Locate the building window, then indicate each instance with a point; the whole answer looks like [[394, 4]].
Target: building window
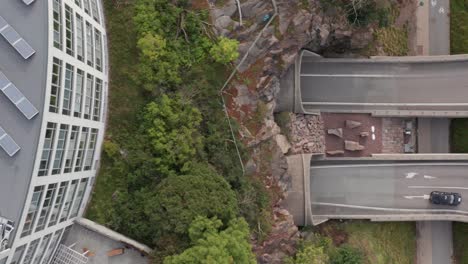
[[57, 14], [53, 244], [31, 250], [59, 152], [89, 45], [55, 85], [68, 89], [42, 248], [79, 38], [68, 200], [18, 254], [47, 149], [46, 205], [87, 7], [89, 96], [69, 38], [58, 203], [97, 100], [79, 93], [81, 149], [79, 198], [98, 49], [71, 149], [94, 8], [32, 211], [91, 149], [78, 3]]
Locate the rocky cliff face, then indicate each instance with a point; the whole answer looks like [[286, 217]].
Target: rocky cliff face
[[252, 93]]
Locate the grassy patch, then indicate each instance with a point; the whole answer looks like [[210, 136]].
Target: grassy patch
[[460, 242], [381, 243], [458, 26], [459, 144], [459, 135], [125, 100], [393, 40]]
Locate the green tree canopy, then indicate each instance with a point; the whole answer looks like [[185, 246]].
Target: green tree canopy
[[158, 64], [311, 254], [171, 39], [172, 127], [210, 245], [177, 200], [225, 50]]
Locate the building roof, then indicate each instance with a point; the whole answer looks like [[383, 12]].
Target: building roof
[[29, 76], [112, 234]]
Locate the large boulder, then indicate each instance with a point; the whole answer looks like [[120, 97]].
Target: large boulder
[[335, 131], [353, 146]]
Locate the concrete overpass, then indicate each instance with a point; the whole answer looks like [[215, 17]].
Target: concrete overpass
[[376, 188], [422, 86]]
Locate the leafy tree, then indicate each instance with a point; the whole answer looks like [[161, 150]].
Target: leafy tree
[[171, 40], [158, 64], [311, 255], [347, 255], [225, 50], [177, 200], [210, 245], [172, 127]]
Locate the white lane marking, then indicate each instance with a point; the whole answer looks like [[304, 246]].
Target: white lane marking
[[433, 3], [425, 197], [391, 209], [441, 10], [387, 165], [437, 187], [375, 76], [384, 104], [350, 75], [410, 175], [429, 177]]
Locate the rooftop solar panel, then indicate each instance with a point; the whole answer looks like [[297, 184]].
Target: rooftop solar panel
[[3, 81], [28, 109], [24, 49], [28, 2], [8, 144], [10, 34], [3, 23], [17, 97]]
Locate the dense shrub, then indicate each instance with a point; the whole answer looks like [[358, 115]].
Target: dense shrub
[[172, 128], [347, 255], [177, 200], [210, 245]]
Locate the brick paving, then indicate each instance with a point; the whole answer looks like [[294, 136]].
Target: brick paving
[[332, 120], [393, 135]]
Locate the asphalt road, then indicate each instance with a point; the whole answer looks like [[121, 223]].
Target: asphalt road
[[439, 27], [389, 188], [350, 84]]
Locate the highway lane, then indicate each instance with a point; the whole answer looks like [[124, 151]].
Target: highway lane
[[334, 84], [439, 27], [389, 188]]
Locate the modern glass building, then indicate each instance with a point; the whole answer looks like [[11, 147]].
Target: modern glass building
[[53, 83]]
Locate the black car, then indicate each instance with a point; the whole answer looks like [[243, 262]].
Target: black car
[[445, 198]]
